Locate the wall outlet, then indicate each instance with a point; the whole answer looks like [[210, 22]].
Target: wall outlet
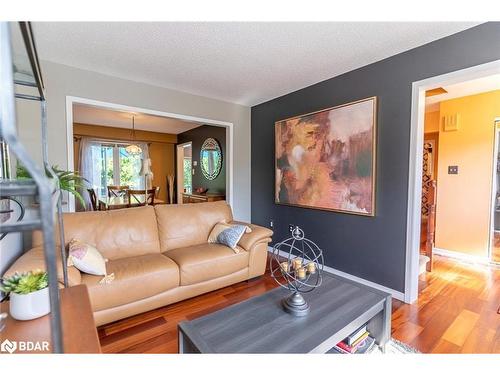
[[453, 169], [291, 227], [271, 224]]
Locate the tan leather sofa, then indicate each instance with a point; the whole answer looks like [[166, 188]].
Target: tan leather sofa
[[159, 255]]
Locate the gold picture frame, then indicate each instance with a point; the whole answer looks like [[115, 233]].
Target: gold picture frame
[[326, 159]]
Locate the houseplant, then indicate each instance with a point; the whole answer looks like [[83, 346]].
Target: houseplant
[[69, 181], [29, 294]]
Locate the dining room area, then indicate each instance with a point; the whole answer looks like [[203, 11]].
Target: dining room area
[[125, 159], [124, 197]]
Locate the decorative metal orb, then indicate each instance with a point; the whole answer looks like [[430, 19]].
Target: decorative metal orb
[[296, 264]]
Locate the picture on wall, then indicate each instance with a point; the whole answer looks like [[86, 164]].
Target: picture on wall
[[326, 159]]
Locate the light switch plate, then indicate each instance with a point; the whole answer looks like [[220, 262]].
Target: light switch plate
[[451, 122]]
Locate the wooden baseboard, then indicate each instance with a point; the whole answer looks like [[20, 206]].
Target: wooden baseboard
[[395, 294], [462, 256]]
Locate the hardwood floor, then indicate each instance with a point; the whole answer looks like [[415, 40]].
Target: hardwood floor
[[456, 313]]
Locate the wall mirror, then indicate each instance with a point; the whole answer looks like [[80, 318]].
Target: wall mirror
[[211, 158]]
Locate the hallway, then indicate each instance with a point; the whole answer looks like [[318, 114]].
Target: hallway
[[456, 311]]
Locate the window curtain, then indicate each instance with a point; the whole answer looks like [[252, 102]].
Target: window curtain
[[89, 165]]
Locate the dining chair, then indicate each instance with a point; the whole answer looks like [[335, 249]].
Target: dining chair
[[93, 199], [134, 197], [117, 190]]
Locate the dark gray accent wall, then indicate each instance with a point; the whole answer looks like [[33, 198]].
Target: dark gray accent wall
[[197, 136], [370, 248]]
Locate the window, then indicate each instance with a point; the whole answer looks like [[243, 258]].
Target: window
[[188, 175], [113, 165]]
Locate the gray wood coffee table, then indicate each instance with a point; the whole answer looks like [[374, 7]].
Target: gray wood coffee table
[[259, 325]]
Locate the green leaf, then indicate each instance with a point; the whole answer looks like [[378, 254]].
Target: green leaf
[[69, 181], [77, 196], [25, 283]]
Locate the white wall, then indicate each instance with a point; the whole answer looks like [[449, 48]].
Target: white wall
[[11, 248], [62, 81]]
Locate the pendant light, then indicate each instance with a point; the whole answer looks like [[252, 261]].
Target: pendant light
[[133, 149]]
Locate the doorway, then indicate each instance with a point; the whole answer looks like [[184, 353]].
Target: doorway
[[494, 251], [184, 169], [71, 101], [414, 227]]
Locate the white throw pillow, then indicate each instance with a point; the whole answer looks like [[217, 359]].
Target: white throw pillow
[[88, 260]]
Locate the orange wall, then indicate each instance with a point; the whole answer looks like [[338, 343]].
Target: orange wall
[[464, 200], [431, 122], [161, 149]]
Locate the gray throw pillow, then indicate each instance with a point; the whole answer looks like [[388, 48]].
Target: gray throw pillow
[[231, 236]]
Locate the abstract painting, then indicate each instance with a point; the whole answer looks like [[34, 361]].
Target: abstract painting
[[326, 159]]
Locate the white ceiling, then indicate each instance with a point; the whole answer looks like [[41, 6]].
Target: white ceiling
[[86, 114], [466, 88], [240, 62]]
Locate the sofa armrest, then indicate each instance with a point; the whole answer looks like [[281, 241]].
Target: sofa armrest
[[34, 259], [258, 234], [255, 243]]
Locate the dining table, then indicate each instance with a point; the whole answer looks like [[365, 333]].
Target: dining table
[[113, 203]]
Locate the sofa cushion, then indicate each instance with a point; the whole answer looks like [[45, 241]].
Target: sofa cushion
[[135, 278], [207, 261], [183, 225], [116, 233]]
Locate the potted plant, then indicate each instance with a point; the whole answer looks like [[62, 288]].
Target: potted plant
[[29, 294], [69, 181]]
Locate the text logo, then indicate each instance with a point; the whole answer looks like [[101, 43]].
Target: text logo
[[24, 346]]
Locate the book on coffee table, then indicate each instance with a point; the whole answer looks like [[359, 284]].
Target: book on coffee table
[[366, 345], [343, 345], [363, 347], [353, 337]]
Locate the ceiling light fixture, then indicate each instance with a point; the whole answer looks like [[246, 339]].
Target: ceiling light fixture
[[133, 149]]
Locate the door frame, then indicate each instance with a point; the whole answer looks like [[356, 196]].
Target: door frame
[[180, 168], [415, 163], [70, 100], [494, 188]]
